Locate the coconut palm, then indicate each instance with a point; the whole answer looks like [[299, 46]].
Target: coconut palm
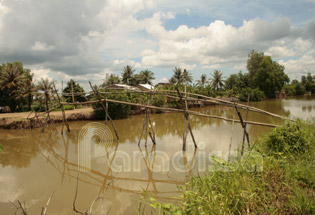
[[177, 77], [147, 76], [127, 74], [27, 89], [46, 86], [203, 80], [187, 78], [217, 81], [11, 79]]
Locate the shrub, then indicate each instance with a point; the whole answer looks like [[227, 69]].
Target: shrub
[[115, 110], [288, 139]]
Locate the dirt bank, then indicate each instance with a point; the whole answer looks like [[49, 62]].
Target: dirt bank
[[20, 121]]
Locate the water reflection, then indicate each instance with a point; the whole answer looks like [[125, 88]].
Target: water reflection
[[34, 164]]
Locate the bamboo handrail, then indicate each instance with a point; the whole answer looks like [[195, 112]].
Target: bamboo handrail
[[174, 110]]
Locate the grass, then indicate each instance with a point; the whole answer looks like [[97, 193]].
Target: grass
[[284, 185]]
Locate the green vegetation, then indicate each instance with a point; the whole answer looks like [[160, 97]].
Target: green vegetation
[[285, 184], [76, 89], [265, 79], [115, 110]]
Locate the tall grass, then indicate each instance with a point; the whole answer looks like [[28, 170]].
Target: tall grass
[[286, 184]]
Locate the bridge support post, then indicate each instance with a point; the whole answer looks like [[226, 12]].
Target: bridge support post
[[105, 109]]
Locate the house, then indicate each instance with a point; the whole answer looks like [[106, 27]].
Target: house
[[145, 87], [120, 87]]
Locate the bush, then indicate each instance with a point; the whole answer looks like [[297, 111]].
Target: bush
[[115, 110], [255, 95], [288, 139]]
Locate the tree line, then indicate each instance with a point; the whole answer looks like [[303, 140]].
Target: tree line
[[265, 79]]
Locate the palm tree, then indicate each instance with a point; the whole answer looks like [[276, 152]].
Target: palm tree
[[187, 78], [203, 80], [177, 77], [217, 80], [27, 89], [11, 79], [127, 74], [147, 76], [46, 86]]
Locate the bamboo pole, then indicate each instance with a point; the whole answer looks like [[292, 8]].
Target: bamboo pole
[[175, 110], [186, 120], [244, 134], [64, 118], [101, 101], [72, 93], [206, 99]]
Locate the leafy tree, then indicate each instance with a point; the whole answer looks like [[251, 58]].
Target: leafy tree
[[127, 74], [309, 83], [147, 76], [76, 89], [112, 79], [217, 81], [253, 64], [270, 77], [135, 80]]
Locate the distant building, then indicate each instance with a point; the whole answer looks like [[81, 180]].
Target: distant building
[[145, 87], [120, 87]]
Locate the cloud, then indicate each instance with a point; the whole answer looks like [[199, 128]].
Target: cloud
[[39, 46], [303, 65], [90, 38]]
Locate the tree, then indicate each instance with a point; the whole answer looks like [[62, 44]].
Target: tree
[[146, 76], [217, 81], [253, 64], [12, 77], [177, 77], [112, 79], [127, 74], [203, 80], [180, 76], [76, 89], [46, 86], [309, 83], [27, 89], [270, 77], [187, 78]]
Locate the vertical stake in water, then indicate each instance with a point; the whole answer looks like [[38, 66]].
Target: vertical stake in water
[[72, 93]]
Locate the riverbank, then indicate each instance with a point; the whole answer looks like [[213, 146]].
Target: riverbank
[[275, 177], [21, 121]]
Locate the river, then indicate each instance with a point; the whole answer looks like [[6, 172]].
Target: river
[[35, 164]]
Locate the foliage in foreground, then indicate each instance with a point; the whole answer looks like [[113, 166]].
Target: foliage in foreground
[[286, 185]]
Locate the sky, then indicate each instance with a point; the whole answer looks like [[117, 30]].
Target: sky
[[87, 39]]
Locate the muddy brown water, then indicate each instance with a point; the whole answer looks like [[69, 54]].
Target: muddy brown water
[[35, 164]]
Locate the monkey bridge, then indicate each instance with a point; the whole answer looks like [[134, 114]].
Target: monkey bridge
[[148, 130]]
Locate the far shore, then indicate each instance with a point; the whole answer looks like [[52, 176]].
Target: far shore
[[21, 120]]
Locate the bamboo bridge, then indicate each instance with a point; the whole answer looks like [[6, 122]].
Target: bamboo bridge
[[148, 130]]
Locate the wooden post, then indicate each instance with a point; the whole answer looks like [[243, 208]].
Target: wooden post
[[72, 93], [104, 108], [64, 119], [244, 134], [186, 118], [146, 122], [242, 123]]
